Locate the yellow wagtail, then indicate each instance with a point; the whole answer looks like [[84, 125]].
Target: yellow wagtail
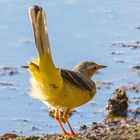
[[59, 88]]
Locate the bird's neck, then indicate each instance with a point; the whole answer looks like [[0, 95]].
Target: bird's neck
[[87, 74]]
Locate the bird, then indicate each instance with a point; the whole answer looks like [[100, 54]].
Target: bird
[[59, 88]]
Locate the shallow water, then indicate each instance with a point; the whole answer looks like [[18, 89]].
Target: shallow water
[[78, 30]]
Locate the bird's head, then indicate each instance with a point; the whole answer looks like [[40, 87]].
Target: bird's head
[[88, 68]]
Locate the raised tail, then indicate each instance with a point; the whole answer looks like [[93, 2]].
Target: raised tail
[[48, 73]]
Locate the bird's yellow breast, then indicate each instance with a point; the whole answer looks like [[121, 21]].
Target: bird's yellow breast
[[68, 96]]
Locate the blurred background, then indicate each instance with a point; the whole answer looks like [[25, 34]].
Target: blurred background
[[106, 32]]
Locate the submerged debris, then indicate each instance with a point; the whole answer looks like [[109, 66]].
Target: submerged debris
[[135, 113], [132, 86], [35, 128], [9, 85], [6, 84], [135, 100], [26, 41], [135, 69], [138, 27], [106, 84], [8, 71], [117, 53], [118, 104], [132, 45], [120, 61]]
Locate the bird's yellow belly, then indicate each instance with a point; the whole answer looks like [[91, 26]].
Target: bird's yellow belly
[[67, 97], [72, 97]]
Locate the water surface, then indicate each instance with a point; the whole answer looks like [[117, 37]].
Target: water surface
[[78, 30]]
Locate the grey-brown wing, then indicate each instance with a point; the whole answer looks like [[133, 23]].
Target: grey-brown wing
[[75, 79]]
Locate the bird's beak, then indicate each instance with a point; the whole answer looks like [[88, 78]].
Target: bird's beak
[[25, 67], [102, 66]]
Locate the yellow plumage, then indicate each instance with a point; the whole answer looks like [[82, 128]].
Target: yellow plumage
[[59, 88], [47, 83]]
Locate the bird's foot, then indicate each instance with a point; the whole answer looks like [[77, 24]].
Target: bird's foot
[[71, 134], [65, 134]]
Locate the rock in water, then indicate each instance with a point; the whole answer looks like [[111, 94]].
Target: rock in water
[[118, 104]]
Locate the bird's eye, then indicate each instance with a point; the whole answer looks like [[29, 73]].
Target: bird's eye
[[95, 68]]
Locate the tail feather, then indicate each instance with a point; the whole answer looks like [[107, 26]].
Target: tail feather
[[48, 72], [38, 21]]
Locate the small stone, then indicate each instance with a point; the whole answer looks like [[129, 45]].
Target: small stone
[[83, 127], [35, 128]]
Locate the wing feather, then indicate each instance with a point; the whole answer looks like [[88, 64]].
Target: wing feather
[[76, 79]]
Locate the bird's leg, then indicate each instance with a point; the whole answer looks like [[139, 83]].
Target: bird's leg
[[71, 129], [57, 117], [65, 117]]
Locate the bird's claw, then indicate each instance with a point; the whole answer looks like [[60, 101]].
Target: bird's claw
[[65, 134], [72, 134]]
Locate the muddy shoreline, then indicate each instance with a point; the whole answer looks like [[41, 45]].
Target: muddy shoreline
[[119, 129]]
